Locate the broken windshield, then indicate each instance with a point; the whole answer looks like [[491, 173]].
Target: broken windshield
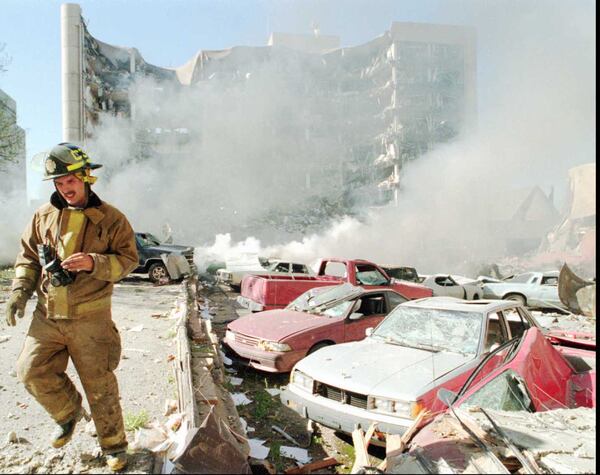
[[369, 275], [322, 298], [432, 329]]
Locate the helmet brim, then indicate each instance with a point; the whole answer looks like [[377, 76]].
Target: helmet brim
[[91, 166]]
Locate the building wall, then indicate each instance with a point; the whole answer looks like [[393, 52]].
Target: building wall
[[12, 145]]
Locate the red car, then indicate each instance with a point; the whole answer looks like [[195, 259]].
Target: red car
[[270, 292], [275, 340]]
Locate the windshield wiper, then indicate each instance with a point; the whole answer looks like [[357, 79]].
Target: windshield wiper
[[417, 346]]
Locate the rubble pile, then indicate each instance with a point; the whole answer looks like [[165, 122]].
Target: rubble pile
[[557, 441]]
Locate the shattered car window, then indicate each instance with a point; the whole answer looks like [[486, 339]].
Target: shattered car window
[[432, 329], [369, 275], [338, 310], [506, 392], [319, 298]]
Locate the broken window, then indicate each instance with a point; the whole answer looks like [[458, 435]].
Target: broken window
[[369, 275], [495, 334], [506, 392], [550, 280], [516, 323], [435, 329]]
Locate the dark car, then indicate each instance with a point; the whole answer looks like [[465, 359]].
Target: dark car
[[149, 250]]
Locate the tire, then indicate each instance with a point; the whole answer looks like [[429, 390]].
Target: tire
[[157, 272], [517, 298], [318, 346]]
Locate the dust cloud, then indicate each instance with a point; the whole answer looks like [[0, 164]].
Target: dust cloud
[[237, 148]]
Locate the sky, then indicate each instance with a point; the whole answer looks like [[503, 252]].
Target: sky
[[168, 33]]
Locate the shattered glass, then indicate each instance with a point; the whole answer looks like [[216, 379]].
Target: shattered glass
[[434, 329], [318, 300], [506, 392]]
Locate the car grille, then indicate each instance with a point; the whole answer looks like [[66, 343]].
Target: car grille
[[246, 339], [342, 396]]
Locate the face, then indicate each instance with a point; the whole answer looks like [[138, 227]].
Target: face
[[72, 189]]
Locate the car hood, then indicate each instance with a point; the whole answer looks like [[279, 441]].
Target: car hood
[[376, 368], [168, 248], [276, 325]]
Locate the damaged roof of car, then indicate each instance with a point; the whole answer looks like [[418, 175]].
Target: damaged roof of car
[[453, 303]]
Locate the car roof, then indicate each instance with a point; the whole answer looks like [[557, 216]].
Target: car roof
[[460, 305]]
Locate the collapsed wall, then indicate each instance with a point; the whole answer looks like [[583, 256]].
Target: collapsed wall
[[334, 127]]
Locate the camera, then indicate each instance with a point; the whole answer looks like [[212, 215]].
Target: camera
[[58, 276]]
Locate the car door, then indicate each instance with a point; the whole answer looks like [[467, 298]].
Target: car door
[[373, 307], [548, 292]]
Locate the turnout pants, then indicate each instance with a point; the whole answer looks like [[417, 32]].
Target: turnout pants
[[94, 346]]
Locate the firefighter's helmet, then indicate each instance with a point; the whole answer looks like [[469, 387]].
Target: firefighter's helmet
[[65, 159]]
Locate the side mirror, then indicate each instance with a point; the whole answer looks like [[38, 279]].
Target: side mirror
[[446, 396], [355, 316], [368, 331]]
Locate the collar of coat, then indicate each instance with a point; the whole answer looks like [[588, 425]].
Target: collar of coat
[[91, 210]]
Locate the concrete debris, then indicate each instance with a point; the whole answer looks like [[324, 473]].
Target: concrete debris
[[137, 328], [556, 441], [11, 438], [4, 338], [235, 381]]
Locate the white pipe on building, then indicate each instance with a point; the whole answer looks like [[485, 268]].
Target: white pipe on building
[[71, 72]]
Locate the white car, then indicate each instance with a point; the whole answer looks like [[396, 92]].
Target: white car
[[534, 289], [395, 372], [234, 274], [444, 285]]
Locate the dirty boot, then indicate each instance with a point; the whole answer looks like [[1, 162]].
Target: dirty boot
[[117, 461], [63, 432]]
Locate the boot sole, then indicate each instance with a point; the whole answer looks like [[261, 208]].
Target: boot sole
[[58, 443]]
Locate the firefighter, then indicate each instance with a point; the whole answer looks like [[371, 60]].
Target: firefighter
[[74, 249]]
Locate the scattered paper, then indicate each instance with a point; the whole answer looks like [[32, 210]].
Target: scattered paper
[[257, 449], [301, 455], [137, 328], [273, 391], [235, 381], [245, 426], [240, 399]]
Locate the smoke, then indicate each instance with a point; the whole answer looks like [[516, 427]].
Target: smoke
[[15, 213], [241, 148]]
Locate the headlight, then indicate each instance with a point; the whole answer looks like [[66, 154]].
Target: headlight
[[273, 346], [391, 406], [229, 335], [302, 380]]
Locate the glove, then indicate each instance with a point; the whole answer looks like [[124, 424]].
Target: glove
[[16, 306]]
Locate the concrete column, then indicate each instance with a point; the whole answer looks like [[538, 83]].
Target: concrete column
[[71, 39]]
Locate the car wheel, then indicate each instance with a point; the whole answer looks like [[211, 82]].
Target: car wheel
[[517, 298], [318, 346], [158, 272]]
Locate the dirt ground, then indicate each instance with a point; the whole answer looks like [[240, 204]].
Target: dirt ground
[[266, 410], [145, 379]]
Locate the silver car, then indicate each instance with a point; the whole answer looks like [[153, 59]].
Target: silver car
[[533, 289], [396, 371]]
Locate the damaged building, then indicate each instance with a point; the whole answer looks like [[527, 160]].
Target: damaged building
[[336, 123], [12, 143]]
